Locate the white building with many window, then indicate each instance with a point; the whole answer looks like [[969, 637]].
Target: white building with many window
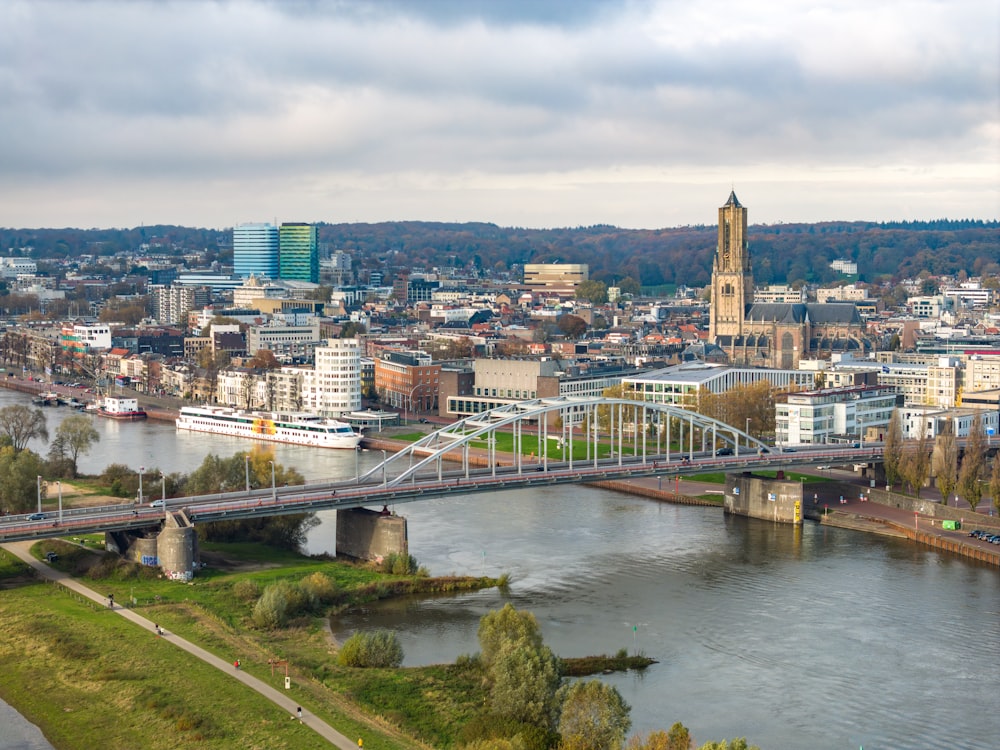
[[680, 385], [333, 387], [833, 414]]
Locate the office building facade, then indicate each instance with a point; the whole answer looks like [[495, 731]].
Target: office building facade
[[298, 252], [255, 251]]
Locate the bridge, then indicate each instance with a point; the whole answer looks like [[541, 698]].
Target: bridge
[[575, 440]]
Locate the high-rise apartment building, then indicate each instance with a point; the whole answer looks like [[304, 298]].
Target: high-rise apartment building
[[333, 387], [255, 250], [298, 252]]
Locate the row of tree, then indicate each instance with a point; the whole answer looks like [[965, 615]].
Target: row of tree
[[913, 462]]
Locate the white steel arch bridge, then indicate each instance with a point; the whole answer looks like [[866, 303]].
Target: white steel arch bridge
[[558, 427]]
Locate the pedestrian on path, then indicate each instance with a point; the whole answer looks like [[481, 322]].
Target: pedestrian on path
[[298, 712], [236, 664]]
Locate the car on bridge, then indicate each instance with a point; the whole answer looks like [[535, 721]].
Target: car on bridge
[[157, 503], [724, 452], [36, 517]]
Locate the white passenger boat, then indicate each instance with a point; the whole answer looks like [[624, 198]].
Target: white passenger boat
[[297, 428]]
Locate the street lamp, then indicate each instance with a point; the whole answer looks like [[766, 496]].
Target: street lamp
[[141, 469], [38, 483], [246, 468], [274, 490], [163, 489], [409, 398], [383, 468], [59, 485]]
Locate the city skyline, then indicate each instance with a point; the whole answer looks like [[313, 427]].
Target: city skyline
[[556, 114]]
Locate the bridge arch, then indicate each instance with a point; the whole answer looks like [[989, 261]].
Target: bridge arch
[[605, 427]]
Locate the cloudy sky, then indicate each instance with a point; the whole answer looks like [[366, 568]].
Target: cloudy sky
[[533, 113]]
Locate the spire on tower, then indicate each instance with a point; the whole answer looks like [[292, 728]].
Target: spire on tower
[[733, 200]]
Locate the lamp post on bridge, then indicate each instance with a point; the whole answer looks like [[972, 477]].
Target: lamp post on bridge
[[141, 469], [384, 459], [38, 485], [274, 489], [246, 470]]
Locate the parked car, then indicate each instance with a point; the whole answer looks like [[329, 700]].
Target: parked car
[[51, 556], [36, 517]]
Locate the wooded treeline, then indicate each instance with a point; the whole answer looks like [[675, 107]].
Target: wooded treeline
[[782, 253]]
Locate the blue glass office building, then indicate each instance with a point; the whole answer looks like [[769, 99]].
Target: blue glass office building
[[255, 251]]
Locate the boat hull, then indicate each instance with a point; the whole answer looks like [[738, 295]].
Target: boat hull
[[256, 427]]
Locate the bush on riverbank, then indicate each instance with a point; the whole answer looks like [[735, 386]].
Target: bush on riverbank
[[376, 648]]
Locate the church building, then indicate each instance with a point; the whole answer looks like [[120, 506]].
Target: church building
[[769, 334]]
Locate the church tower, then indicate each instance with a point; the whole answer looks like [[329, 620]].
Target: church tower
[[732, 279]]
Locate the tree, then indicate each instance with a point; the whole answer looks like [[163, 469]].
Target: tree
[[595, 292], [523, 673], [973, 463], [995, 483], [572, 326], [892, 452], [915, 463], [678, 738], [264, 359], [21, 424], [739, 743], [946, 462], [19, 472], [592, 716], [523, 683], [628, 285], [78, 435], [227, 474]]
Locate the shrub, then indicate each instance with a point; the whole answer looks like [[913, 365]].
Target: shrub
[[377, 648], [319, 588], [399, 564], [246, 590], [277, 604]]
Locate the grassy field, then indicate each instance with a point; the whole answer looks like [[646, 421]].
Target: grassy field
[[105, 681]]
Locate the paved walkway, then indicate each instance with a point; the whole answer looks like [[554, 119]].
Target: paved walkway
[[278, 698]]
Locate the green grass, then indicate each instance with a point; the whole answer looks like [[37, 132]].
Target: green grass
[[90, 678], [209, 612]]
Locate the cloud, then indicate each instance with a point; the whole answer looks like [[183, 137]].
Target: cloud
[[494, 109]]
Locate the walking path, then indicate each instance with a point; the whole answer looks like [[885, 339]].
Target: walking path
[[335, 738]]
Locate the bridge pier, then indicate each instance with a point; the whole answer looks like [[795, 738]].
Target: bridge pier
[[369, 534], [174, 548], [776, 500]]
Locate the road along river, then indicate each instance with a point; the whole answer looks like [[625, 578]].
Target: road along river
[[817, 638]]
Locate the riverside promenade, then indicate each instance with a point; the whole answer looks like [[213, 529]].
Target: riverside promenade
[[881, 512]]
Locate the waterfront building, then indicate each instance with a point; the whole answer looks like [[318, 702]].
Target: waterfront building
[[298, 252], [496, 382], [825, 415], [680, 385], [407, 380], [255, 250], [332, 388]]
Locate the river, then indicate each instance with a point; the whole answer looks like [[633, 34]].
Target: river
[[817, 638]]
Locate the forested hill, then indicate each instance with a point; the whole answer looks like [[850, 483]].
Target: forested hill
[[781, 253], [784, 252]]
